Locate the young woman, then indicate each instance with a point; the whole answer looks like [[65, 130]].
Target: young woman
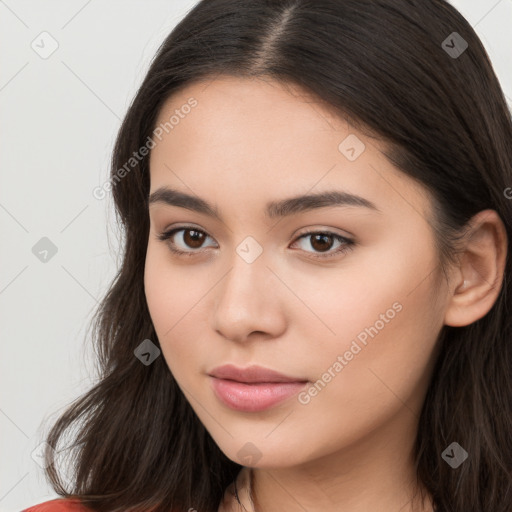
[[313, 309]]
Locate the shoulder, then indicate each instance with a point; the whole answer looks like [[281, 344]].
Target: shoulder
[[58, 505]]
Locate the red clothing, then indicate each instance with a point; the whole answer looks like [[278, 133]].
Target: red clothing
[[58, 505], [228, 504]]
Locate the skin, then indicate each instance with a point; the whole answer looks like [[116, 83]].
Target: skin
[[251, 141]]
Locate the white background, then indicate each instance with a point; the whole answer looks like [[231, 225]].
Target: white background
[[59, 118]]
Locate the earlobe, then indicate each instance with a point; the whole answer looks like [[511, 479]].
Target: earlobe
[[481, 270]]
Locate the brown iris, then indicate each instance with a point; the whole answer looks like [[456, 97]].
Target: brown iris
[[323, 246], [195, 240]]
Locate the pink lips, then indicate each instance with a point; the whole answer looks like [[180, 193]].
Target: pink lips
[[254, 388]]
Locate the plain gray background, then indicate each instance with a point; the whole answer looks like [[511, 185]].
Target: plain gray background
[[60, 114]]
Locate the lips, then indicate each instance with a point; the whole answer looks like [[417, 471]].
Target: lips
[[252, 374], [254, 388]]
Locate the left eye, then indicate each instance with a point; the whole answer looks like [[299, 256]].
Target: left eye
[[321, 241]]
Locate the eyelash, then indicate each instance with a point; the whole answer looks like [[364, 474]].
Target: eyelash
[[345, 247]]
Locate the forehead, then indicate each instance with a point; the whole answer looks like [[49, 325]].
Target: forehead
[[245, 138], [256, 104]]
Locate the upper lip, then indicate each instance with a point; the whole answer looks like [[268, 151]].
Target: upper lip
[[251, 374]]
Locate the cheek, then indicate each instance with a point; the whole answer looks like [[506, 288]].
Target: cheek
[[160, 288], [170, 289], [383, 327], [175, 297], [385, 374]]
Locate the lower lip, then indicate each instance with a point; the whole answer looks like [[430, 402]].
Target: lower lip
[[254, 397]]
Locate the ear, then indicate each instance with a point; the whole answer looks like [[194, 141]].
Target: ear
[[480, 273]]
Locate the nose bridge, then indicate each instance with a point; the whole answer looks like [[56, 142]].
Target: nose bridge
[[246, 300], [248, 272]]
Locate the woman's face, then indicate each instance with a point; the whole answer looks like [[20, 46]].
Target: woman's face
[[357, 317]]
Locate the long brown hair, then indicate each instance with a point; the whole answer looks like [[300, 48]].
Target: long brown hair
[[392, 67]]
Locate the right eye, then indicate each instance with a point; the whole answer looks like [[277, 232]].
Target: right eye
[[191, 237]]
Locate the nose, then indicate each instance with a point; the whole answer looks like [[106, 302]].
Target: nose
[[248, 302]]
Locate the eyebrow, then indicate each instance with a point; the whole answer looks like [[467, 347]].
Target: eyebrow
[[274, 209]]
